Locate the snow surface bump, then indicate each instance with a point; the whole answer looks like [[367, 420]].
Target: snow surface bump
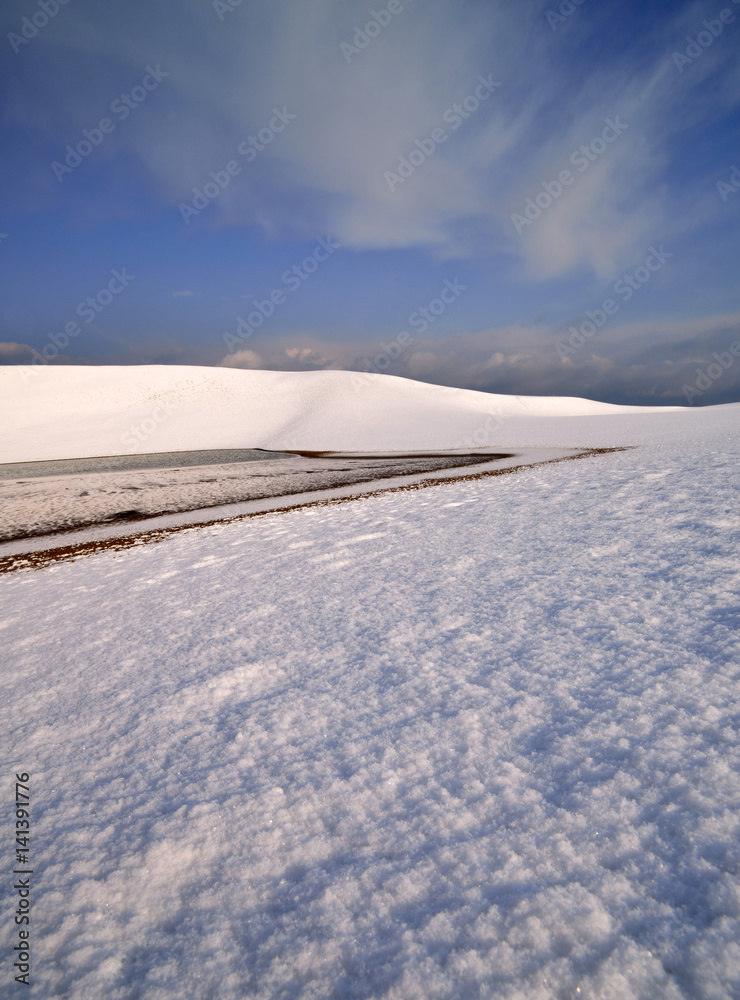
[[78, 412], [475, 741]]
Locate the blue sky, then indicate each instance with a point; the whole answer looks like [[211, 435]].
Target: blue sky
[[542, 159]]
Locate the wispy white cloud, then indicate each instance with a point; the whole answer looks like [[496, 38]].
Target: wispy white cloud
[[354, 121], [242, 359]]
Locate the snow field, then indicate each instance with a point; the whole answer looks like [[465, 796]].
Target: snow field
[[474, 741]]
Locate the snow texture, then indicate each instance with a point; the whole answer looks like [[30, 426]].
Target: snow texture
[[478, 740]]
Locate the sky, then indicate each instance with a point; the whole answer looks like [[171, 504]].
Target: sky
[[531, 197]]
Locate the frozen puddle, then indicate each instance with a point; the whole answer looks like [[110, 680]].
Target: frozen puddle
[[76, 507], [42, 498]]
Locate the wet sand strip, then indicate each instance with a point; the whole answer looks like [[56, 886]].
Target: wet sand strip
[[47, 557]]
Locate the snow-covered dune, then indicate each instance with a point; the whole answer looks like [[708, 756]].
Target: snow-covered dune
[[76, 412]]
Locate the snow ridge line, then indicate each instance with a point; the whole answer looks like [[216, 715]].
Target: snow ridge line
[[66, 553]]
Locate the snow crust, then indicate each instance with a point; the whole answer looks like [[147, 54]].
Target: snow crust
[[43, 504], [479, 740], [80, 412]]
